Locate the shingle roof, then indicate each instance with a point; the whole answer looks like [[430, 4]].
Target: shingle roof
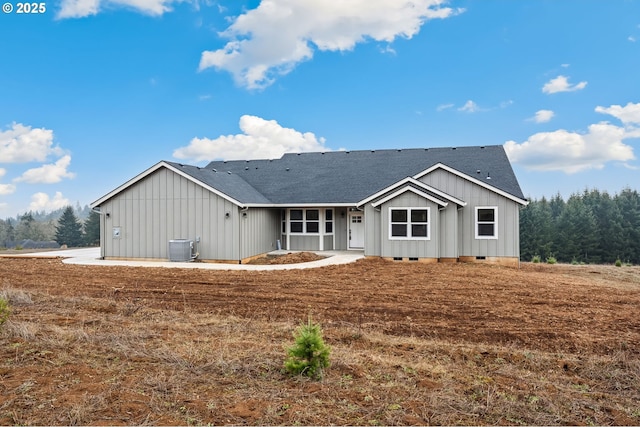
[[348, 176], [226, 182]]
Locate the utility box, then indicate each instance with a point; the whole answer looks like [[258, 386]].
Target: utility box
[[180, 250]]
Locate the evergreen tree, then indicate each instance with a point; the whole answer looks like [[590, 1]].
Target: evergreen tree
[[309, 355], [609, 221], [590, 227], [10, 232], [628, 202], [536, 230], [69, 229], [557, 206], [29, 228], [546, 232], [92, 229], [25, 226], [527, 231], [577, 231], [3, 233]]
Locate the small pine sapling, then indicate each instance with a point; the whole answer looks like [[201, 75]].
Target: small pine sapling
[[5, 310], [309, 355]]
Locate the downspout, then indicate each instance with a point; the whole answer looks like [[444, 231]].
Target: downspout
[[440, 228], [239, 235], [243, 213]]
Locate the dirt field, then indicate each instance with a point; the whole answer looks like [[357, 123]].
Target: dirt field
[[411, 344]]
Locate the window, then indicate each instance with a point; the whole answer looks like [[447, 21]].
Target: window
[[296, 223], [313, 220], [307, 221], [328, 221], [486, 222], [399, 223], [409, 223]]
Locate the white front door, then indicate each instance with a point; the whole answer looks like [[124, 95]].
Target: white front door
[[356, 230]]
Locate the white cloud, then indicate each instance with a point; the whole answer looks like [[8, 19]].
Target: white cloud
[[542, 116], [561, 84], [48, 174], [629, 114], [469, 107], [387, 49], [82, 8], [6, 189], [42, 202], [261, 139], [273, 38], [21, 144], [443, 107], [78, 8], [572, 152]]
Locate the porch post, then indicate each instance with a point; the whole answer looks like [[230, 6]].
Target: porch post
[[287, 227]]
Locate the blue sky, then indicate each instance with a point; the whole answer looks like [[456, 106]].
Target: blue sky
[[93, 92]]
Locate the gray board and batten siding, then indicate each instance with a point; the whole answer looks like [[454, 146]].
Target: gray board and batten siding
[[234, 209], [508, 213], [164, 206]]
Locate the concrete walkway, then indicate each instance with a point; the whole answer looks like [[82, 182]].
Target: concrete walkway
[[90, 256]]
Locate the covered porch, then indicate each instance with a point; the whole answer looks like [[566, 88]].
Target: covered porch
[[322, 228]]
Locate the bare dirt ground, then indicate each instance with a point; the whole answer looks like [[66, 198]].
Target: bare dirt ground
[[289, 258], [411, 344]]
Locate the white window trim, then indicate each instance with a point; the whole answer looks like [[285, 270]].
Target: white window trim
[[325, 221], [495, 223], [321, 222], [409, 209]]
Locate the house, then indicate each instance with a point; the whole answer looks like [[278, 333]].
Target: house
[[432, 204]]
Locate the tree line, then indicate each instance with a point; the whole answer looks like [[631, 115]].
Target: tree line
[[67, 229], [589, 227]]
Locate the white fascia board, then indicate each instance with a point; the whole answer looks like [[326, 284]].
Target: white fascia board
[[413, 181], [151, 170], [413, 190], [471, 179]]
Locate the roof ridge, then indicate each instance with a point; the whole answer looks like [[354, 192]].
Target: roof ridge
[[335, 152]]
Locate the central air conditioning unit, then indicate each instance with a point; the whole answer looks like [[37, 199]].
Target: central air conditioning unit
[[181, 250]]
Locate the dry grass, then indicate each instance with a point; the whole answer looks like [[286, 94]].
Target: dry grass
[[78, 361]]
